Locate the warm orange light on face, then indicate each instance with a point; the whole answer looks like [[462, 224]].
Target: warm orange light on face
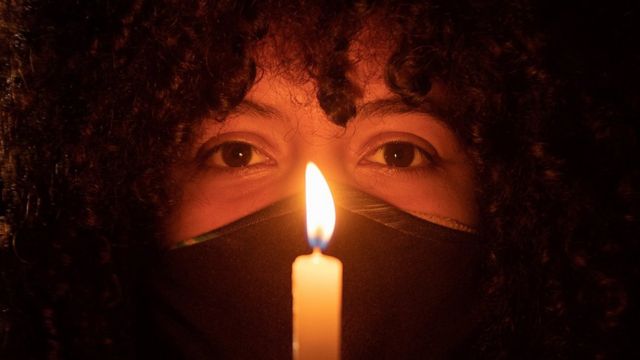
[[321, 212]]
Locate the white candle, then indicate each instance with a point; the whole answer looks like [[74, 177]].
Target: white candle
[[317, 279]]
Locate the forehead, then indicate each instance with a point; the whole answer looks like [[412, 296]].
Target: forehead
[[288, 69], [293, 89], [291, 72]]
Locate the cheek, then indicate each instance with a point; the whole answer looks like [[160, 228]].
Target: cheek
[[447, 192], [209, 204]]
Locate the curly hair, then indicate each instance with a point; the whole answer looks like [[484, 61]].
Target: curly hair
[[100, 98]]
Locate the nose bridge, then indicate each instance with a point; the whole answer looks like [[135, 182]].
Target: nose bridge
[[317, 139], [331, 166], [325, 144], [330, 160], [328, 156]]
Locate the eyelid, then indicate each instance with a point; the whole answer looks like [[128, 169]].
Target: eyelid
[[375, 142], [259, 142]]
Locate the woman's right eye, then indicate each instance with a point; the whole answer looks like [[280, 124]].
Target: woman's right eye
[[235, 154]]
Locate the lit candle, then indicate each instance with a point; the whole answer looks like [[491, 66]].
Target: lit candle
[[317, 279]]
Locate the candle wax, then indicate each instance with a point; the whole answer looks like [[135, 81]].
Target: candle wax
[[317, 298]]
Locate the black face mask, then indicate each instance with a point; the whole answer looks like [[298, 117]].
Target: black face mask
[[410, 286]]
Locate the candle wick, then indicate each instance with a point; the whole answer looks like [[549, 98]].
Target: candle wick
[[316, 242]]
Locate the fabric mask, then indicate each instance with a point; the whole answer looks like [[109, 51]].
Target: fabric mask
[[410, 286]]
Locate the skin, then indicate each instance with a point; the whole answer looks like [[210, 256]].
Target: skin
[[282, 120]]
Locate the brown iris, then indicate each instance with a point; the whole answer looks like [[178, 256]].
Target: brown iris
[[399, 154], [236, 154]]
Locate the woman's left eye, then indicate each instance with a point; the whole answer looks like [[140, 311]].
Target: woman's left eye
[[399, 154], [235, 154]]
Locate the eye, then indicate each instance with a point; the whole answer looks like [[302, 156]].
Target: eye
[[235, 154], [399, 154]]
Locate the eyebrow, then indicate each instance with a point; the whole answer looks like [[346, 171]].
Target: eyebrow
[[379, 107], [248, 107], [394, 106]]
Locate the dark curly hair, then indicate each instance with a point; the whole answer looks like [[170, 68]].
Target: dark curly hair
[[100, 98]]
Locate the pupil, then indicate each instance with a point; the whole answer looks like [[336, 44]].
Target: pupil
[[398, 154], [236, 154]]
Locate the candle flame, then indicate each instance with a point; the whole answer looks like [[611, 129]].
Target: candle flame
[[321, 212]]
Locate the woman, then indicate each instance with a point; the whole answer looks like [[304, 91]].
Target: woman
[[516, 131]]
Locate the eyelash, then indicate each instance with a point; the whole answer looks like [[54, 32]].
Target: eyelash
[[208, 154], [382, 158], [376, 145]]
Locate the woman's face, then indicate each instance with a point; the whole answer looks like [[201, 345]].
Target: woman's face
[[257, 156]]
